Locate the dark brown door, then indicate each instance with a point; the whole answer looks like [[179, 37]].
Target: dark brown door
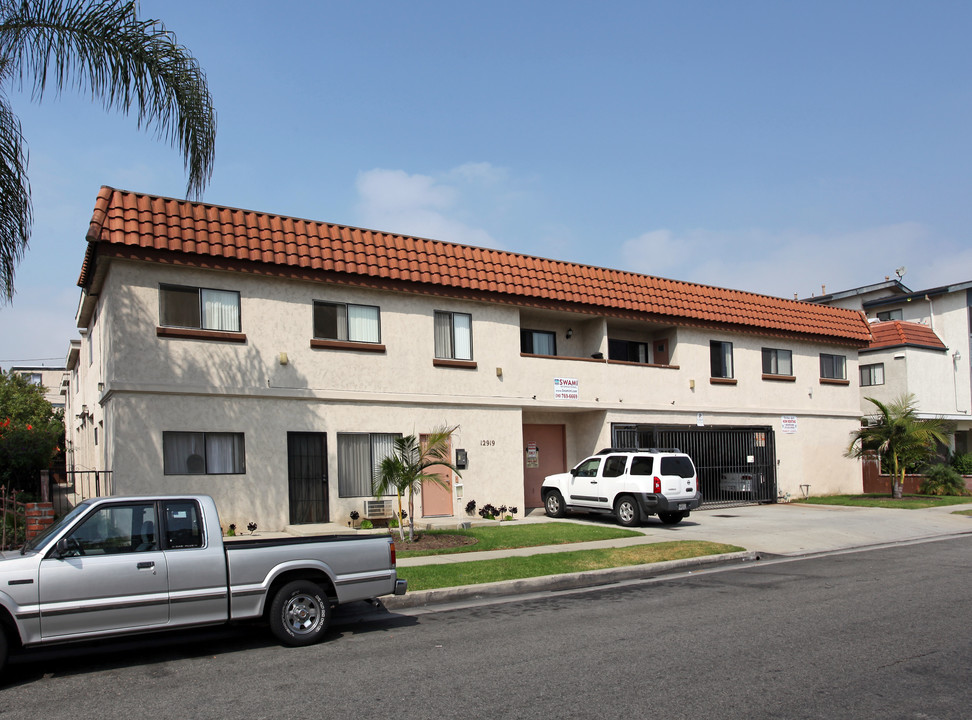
[[660, 352], [307, 474], [544, 453]]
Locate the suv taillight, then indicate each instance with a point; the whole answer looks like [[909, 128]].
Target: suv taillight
[[656, 486]]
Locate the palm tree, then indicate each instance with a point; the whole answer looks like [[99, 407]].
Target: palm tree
[[900, 436], [126, 62], [408, 465]]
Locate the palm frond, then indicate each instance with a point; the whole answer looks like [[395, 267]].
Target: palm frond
[[126, 62], [15, 206]]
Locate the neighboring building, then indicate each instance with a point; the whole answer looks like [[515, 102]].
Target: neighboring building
[[269, 362], [50, 378], [922, 345]]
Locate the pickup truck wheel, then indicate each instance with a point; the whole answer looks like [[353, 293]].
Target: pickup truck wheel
[[3, 648], [627, 511], [300, 613], [553, 504], [671, 518]]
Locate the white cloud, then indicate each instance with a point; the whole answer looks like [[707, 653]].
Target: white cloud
[[800, 263], [426, 206]]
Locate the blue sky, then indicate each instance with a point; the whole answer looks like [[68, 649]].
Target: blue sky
[[765, 146]]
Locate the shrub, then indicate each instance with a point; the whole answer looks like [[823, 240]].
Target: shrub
[[366, 524], [963, 463], [470, 507], [942, 480]]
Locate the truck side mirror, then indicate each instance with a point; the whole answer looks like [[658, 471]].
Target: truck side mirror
[[573, 471]]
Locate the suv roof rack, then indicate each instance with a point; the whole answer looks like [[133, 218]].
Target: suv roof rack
[[608, 451]]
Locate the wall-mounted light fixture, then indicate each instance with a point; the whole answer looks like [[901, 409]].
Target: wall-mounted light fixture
[[570, 333], [499, 372], [283, 358]]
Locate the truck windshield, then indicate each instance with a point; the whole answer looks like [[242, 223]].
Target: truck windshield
[[41, 540]]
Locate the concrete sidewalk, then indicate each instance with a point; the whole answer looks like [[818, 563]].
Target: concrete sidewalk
[[791, 529]]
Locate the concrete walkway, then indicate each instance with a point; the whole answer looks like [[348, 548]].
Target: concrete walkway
[[791, 529]]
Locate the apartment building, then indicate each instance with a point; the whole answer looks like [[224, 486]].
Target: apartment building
[[921, 345], [270, 361]]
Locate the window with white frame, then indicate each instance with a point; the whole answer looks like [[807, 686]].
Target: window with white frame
[[203, 453], [872, 374], [199, 308], [777, 362], [453, 335], [345, 321], [833, 367], [359, 461], [720, 359], [886, 315]]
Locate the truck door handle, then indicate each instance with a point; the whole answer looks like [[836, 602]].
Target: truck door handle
[[146, 565]]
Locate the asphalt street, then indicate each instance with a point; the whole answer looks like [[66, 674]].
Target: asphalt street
[[867, 633]]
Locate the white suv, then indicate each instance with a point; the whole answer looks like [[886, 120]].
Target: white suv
[[630, 483]]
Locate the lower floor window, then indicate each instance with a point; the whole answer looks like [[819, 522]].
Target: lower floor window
[[359, 461], [203, 453]]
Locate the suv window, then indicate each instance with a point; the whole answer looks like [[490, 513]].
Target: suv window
[[642, 465], [677, 465], [614, 466], [588, 468]]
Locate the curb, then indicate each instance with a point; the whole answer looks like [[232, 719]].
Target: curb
[[566, 581]]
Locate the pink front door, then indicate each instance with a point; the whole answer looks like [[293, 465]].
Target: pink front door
[[544, 453], [436, 498]]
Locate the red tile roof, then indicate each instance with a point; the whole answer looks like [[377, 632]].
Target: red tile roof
[[896, 333], [138, 226]]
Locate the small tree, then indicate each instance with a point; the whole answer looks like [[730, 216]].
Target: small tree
[[30, 432], [901, 436], [408, 465]]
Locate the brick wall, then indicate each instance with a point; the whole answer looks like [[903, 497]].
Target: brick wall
[[39, 518], [875, 482]]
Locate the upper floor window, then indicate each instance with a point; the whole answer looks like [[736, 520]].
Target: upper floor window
[[872, 374], [202, 453], [628, 351], [833, 367], [341, 321], [538, 342], [200, 308], [777, 362], [886, 315], [453, 335], [720, 359]]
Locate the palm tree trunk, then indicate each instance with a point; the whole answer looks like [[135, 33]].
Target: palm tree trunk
[[897, 486], [401, 526], [411, 516]]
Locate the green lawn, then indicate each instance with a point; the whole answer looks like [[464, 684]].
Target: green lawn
[[429, 577], [511, 535], [908, 502]]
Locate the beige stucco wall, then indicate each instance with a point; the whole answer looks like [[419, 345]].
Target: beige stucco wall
[[154, 384]]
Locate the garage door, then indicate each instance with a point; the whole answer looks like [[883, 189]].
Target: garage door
[[735, 465]]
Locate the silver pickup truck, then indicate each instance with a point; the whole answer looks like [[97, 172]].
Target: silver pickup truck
[[123, 565]]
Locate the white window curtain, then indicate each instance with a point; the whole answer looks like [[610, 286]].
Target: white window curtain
[[443, 335], [224, 453], [543, 343], [363, 323], [221, 310], [354, 465], [382, 445], [462, 339], [183, 453]]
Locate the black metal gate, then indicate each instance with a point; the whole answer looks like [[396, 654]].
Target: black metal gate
[[735, 465], [307, 473]]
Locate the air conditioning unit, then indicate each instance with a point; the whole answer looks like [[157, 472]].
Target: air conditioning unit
[[378, 508]]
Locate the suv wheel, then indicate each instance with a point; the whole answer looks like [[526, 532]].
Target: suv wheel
[[627, 511], [553, 504]]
